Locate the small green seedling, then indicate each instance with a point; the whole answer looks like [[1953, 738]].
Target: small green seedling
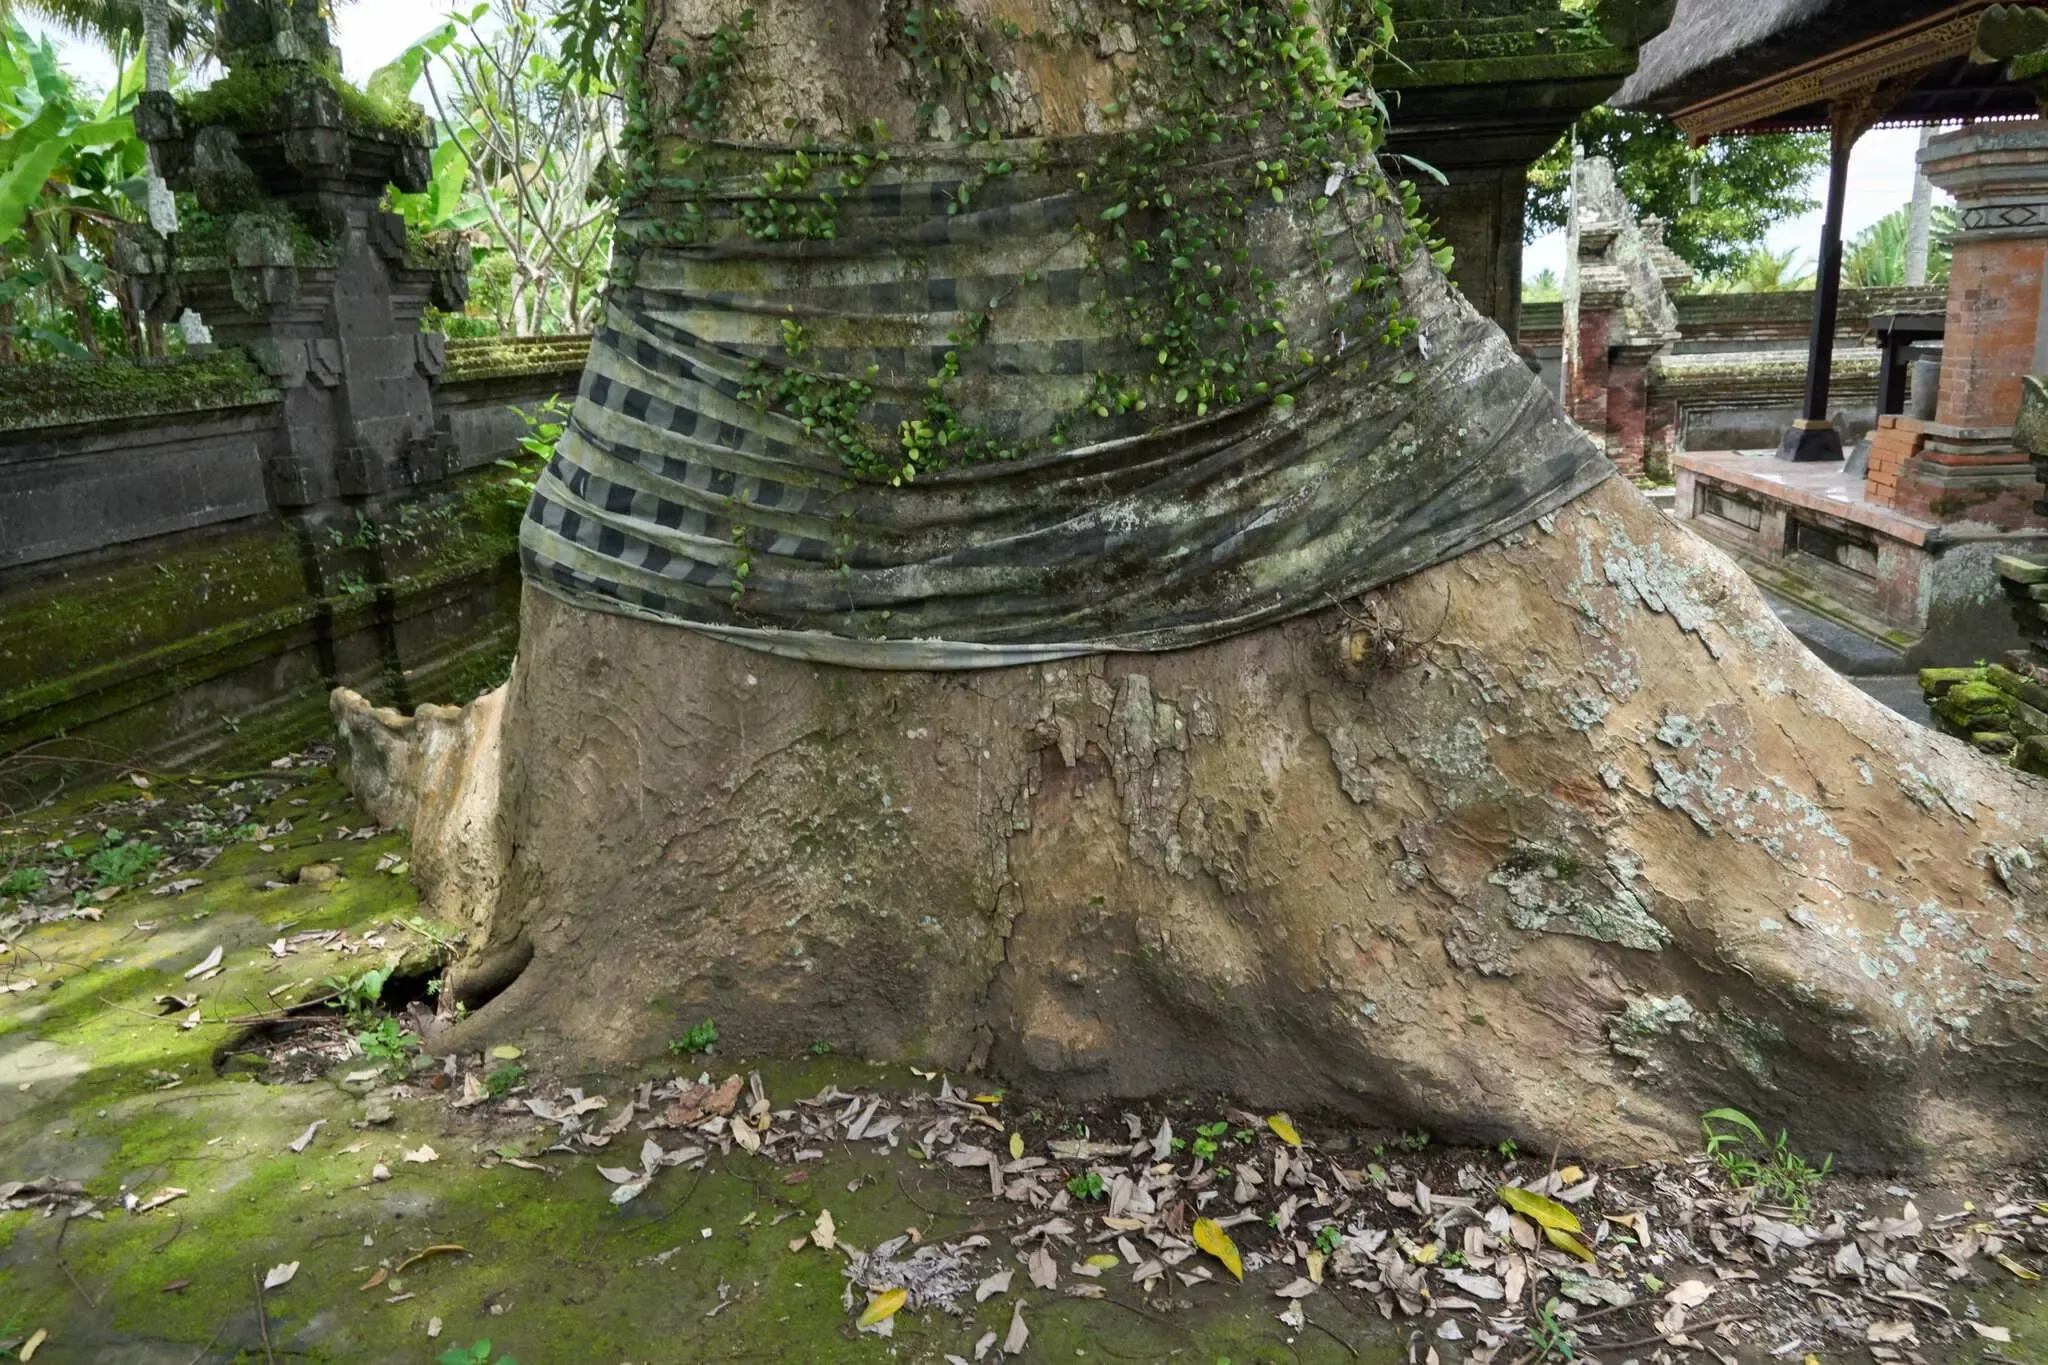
[[479, 1354], [502, 1079], [1087, 1185], [1554, 1340], [121, 861], [359, 995], [1328, 1236], [1769, 1169], [701, 1038], [388, 1041]]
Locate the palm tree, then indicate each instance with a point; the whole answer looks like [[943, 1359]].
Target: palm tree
[[1877, 257], [1762, 271], [121, 24]]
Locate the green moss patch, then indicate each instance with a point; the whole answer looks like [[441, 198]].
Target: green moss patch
[[246, 100], [60, 392]]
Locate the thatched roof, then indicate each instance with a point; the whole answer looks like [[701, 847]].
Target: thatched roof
[[1714, 46]]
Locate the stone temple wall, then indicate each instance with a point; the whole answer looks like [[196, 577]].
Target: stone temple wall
[[157, 600]]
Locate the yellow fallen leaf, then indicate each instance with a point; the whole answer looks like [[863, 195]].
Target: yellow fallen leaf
[[1016, 1146], [1570, 1175], [988, 1099], [505, 1052], [1564, 1241], [2015, 1267], [28, 1349], [883, 1306], [823, 1233], [1427, 1255], [1547, 1212], [1217, 1243], [1315, 1266], [1102, 1260], [1283, 1127]]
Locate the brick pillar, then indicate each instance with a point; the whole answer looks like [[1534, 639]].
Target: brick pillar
[[1963, 465], [1585, 367], [1628, 394]]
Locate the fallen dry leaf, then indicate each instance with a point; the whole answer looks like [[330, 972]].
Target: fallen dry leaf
[[1283, 1128], [1690, 1294], [1019, 1334], [1214, 1240], [1887, 1333], [423, 1155], [207, 964], [280, 1274], [998, 1283], [883, 1306], [438, 1249], [823, 1233], [377, 1278], [1564, 1241], [1546, 1213], [307, 1137], [33, 1344], [2002, 1335]]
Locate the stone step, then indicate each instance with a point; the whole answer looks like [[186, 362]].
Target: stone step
[[2018, 570]]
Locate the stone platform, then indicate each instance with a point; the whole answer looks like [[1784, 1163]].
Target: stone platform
[[1919, 591]]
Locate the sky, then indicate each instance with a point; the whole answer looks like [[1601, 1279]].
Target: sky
[[371, 33]]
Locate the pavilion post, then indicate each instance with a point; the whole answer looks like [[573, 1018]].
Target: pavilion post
[[1813, 437]]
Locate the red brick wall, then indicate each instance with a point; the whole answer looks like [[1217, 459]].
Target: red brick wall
[[1585, 383], [1994, 303], [1628, 386], [1896, 440]]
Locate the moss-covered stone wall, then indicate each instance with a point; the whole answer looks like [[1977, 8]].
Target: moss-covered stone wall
[[63, 392], [226, 646]]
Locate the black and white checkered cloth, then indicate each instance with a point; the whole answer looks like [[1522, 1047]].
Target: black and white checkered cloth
[[1133, 536]]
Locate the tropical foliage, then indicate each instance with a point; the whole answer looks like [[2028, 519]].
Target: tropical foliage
[[117, 24], [527, 154], [71, 172], [1877, 255], [1761, 270], [1717, 201]]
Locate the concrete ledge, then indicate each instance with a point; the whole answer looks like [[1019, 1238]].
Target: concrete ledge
[[1826, 489]]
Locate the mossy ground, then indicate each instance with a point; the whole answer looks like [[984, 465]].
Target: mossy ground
[[99, 1084]]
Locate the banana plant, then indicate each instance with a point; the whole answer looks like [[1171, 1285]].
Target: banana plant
[[70, 169]]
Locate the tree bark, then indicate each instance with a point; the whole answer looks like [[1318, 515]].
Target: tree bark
[[1566, 839]]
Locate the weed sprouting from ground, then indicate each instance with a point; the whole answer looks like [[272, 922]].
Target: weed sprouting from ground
[[1755, 1164], [700, 1038]]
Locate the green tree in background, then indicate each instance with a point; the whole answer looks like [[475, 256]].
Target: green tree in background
[[1876, 257], [1717, 201], [1761, 270], [117, 24], [71, 172]]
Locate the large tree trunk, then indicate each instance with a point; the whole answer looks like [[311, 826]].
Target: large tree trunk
[[1567, 839], [1564, 838]]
